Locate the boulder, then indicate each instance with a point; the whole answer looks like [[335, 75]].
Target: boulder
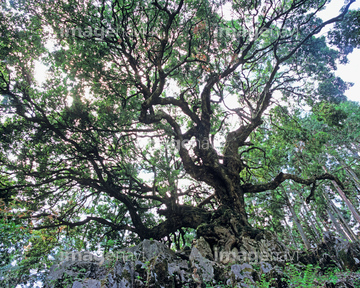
[[205, 267], [241, 275]]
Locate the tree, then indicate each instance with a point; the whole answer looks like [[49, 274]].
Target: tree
[[327, 141], [137, 100], [346, 35]]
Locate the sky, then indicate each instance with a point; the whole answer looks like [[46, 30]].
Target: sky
[[350, 71]]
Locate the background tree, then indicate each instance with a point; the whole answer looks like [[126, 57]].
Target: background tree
[[299, 139], [346, 35]]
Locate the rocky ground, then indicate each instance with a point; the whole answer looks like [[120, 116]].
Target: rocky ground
[[256, 263]]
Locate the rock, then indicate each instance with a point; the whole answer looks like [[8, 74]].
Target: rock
[[69, 270], [229, 257], [90, 283], [265, 267], [241, 275], [334, 251], [149, 264], [204, 266], [184, 253], [77, 284], [349, 255], [204, 248], [152, 265]]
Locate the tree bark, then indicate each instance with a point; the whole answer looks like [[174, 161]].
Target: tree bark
[[233, 198], [348, 230], [319, 224], [310, 220]]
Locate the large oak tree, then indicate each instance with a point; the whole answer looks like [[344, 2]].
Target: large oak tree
[[147, 119]]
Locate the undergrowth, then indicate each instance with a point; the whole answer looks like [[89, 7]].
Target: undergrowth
[[309, 276]]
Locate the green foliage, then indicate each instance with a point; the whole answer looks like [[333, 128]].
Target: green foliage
[[308, 276], [329, 113], [86, 156], [346, 35]]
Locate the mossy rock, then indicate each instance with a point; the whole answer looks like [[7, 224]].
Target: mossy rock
[[348, 260]]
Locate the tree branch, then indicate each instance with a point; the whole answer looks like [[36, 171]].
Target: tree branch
[[250, 188], [88, 219]]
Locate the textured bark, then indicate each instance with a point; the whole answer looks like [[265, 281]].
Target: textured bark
[[234, 199], [184, 216]]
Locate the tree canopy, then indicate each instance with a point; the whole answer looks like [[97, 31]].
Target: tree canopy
[[153, 115]]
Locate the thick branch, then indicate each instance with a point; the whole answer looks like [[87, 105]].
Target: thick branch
[[88, 219], [250, 188]]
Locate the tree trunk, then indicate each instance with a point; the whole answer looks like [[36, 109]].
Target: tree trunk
[[233, 198], [346, 200], [310, 227], [291, 234], [351, 173], [346, 228], [336, 224], [297, 222], [332, 208], [321, 227], [316, 232], [318, 237]]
